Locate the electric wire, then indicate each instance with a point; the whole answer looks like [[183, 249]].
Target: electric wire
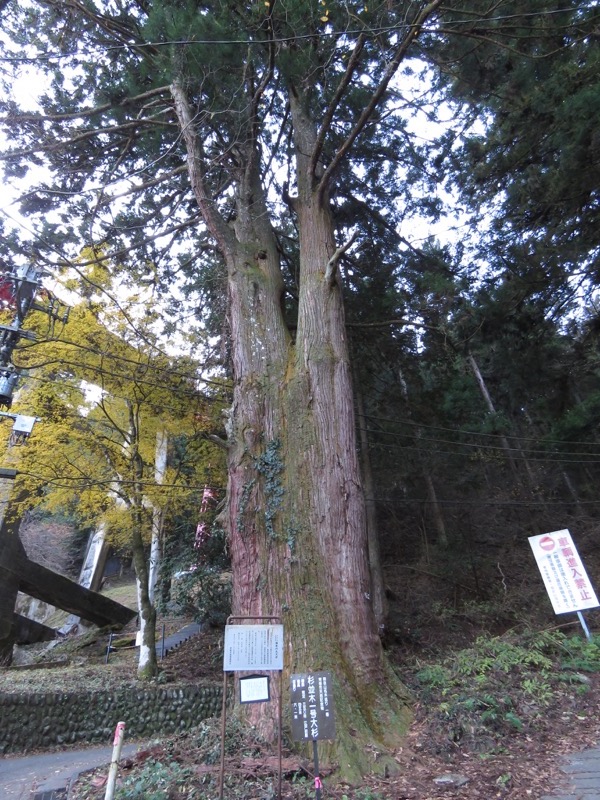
[[551, 459], [525, 453], [294, 38], [462, 431], [422, 445]]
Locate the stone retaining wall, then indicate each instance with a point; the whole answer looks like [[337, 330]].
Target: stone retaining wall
[[37, 721]]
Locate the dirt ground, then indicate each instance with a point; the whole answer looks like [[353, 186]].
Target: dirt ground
[[524, 765]]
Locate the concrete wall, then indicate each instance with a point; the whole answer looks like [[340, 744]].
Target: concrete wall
[[37, 721]]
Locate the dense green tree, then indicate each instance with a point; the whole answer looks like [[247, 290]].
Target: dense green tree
[[531, 158]]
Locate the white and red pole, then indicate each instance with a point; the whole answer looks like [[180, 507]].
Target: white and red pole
[[114, 764]]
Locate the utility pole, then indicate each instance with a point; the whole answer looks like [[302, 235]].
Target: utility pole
[[18, 290]]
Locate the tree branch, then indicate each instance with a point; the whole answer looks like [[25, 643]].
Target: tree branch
[[82, 137], [330, 270], [385, 322], [388, 74], [89, 112], [108, 199], [213, 219], [335, 101]]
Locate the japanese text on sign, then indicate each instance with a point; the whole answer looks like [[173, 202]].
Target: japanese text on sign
[[249, 647], [312, 706], [254, 689], [563, 573]]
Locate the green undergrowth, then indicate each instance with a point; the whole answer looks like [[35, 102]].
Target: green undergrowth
[[157, 781], [503, 685]]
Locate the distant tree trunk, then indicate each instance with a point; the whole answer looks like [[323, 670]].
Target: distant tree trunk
[[147, 662], [563, 473], [438, 514], [160, 467], [572, 491], [438, 517], [378, 598], [491, 408]]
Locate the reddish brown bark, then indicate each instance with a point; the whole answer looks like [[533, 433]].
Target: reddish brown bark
[[296, 513]]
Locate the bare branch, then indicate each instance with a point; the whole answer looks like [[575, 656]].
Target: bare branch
[[108, 199], [213, 219], [335, 101], [388, 74], [83, 113], [82, 137], [387, 322], [330, 270]]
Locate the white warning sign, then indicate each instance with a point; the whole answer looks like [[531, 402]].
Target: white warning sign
[[563, 573]]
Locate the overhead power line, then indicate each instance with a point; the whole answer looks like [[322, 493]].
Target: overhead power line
[[484, 501], [553, 458], [463, 432], [293, 38]]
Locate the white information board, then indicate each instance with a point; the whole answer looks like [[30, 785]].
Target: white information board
[[564, 575], [249, 647], [255, 689]]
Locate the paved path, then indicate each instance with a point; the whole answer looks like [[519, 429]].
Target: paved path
[[583, 781], [45, 776], [175, 639]]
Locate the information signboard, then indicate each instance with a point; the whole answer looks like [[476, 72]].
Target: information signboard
[[563, 573], [312, 706], [253, 647], [254, 689]]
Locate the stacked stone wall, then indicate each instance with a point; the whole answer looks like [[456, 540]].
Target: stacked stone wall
[[51, 719]]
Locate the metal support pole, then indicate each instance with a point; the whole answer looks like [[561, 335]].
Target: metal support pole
[[231, 619], [223, 729], [318, 784], [586, 630], [109, 647], [162, 646], [279, 744]]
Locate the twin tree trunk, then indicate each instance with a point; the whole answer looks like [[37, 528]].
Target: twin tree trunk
[[296, 512]]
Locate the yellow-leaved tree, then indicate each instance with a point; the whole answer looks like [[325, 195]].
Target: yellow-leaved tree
[[109, 400]]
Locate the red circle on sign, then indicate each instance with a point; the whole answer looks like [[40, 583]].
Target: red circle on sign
[[547, 543]]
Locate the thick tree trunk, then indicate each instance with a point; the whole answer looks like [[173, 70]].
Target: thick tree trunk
[[296, 517], [295, 514]]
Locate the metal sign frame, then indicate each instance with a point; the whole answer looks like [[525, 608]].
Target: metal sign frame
[[313, 715], [564, 575], [254, 689], [276, 619]]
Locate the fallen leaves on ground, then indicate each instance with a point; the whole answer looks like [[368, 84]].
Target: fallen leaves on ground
[[525, 766]]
